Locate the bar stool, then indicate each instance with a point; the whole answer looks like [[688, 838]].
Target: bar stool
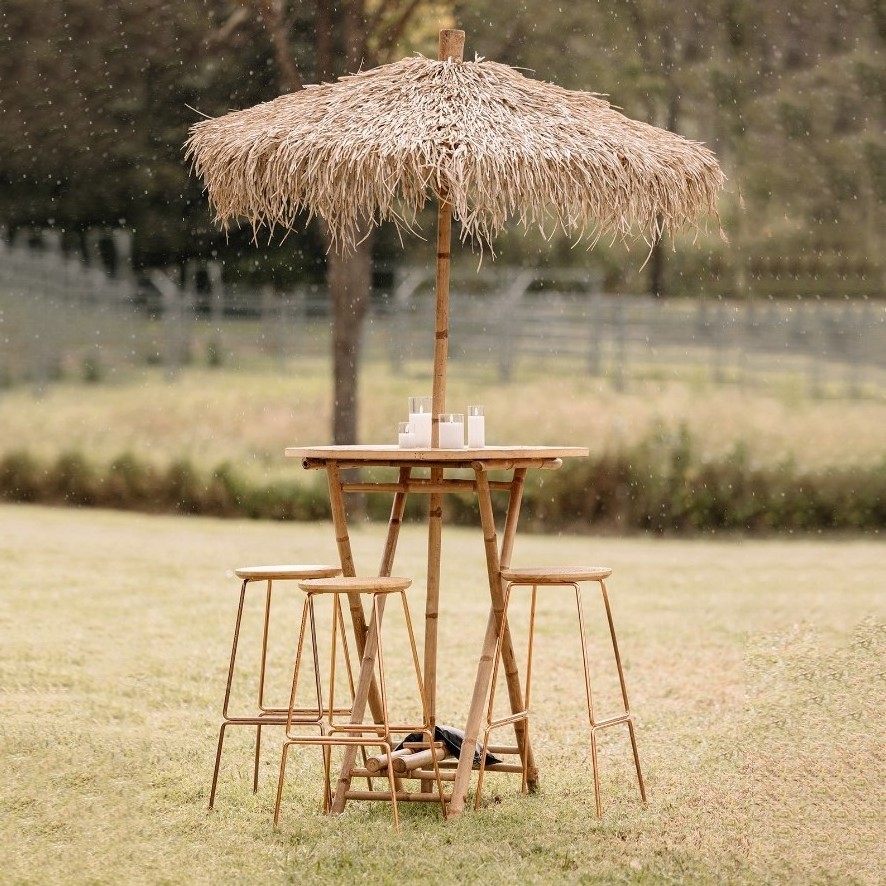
[[337, 731], [263, 714], [569, 577]]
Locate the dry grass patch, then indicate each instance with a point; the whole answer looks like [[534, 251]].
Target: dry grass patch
[[755, 670]]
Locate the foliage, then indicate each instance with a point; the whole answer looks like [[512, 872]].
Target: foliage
[[95, 102], [659, 486], [787, 95], [95, 105]]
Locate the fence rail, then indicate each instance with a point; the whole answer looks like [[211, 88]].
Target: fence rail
[[60, 316]]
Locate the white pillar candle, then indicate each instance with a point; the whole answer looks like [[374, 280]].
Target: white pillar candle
[[452, 431], [420, 420], [421, 425], [476, 427]]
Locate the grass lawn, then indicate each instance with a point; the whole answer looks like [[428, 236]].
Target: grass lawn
[[755, 669]]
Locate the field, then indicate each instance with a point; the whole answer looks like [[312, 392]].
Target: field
[[755, 668], [246, 417]]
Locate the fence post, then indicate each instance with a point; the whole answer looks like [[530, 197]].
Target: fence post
[[215, 353], [172, 321], [595, 337], [405, 289], [621, 350], [298, 312], [851, 332], [509, 323], [268, 315], [122, 240]]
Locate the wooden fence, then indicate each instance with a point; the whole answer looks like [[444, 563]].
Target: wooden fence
[[62, 317]]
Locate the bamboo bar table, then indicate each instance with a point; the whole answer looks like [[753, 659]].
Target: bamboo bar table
[[514, 462]]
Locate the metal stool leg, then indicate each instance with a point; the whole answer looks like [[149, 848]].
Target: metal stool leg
[[221, 732], [523, 713], [307, 622], [589, 698], [624, 690]]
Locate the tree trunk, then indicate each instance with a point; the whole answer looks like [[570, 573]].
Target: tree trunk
[[350, 283], [657, 268], [657, 258]]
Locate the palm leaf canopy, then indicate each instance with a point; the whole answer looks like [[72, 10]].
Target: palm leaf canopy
[[495, 144]]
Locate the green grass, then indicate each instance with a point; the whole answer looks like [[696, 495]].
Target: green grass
[[755, 670], [248, 417]]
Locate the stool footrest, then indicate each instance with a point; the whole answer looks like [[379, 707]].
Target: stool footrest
[[505, 721], [279, 716], [402, 796], [307, 712], [612, 721]]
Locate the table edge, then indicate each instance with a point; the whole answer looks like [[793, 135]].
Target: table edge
[[388, 453]]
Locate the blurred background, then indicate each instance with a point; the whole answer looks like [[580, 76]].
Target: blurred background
[[149, 360]]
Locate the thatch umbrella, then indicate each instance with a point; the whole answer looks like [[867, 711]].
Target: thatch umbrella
[[485, 141]]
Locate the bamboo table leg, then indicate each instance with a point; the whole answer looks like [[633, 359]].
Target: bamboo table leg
[[432, 603], [494, 561], [516, 696], [366, 688]]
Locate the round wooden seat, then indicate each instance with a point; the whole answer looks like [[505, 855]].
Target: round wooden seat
[[555, 574], [344, 584], [284, 573]]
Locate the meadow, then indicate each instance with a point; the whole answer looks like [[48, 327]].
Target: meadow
[[755, 669], [246, 415], [676, 453]]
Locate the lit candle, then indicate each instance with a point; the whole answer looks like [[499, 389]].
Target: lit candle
[[420, 419], [476, 427], [452, 430]]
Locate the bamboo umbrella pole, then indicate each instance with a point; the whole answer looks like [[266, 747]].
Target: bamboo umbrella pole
[[452, 46]]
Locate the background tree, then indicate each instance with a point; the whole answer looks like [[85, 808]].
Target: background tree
[[316, 42], [95, 101], [790, 96]]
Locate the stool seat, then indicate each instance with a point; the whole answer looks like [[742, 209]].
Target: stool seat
[[346, 584], [555, 574], [286, 573]]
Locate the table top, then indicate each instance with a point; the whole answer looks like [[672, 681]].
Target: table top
[[388, 454]]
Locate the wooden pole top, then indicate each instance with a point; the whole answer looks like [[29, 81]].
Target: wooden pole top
[[452, 45]]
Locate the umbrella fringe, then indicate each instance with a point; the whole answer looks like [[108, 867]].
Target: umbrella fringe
[[376, 145]]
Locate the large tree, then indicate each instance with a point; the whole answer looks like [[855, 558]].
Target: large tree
[[95, 101], [790, 97], [315, 42]]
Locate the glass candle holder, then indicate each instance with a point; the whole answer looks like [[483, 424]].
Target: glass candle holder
[[420, 419], [451, 430], [405, 436], [476, 427]]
